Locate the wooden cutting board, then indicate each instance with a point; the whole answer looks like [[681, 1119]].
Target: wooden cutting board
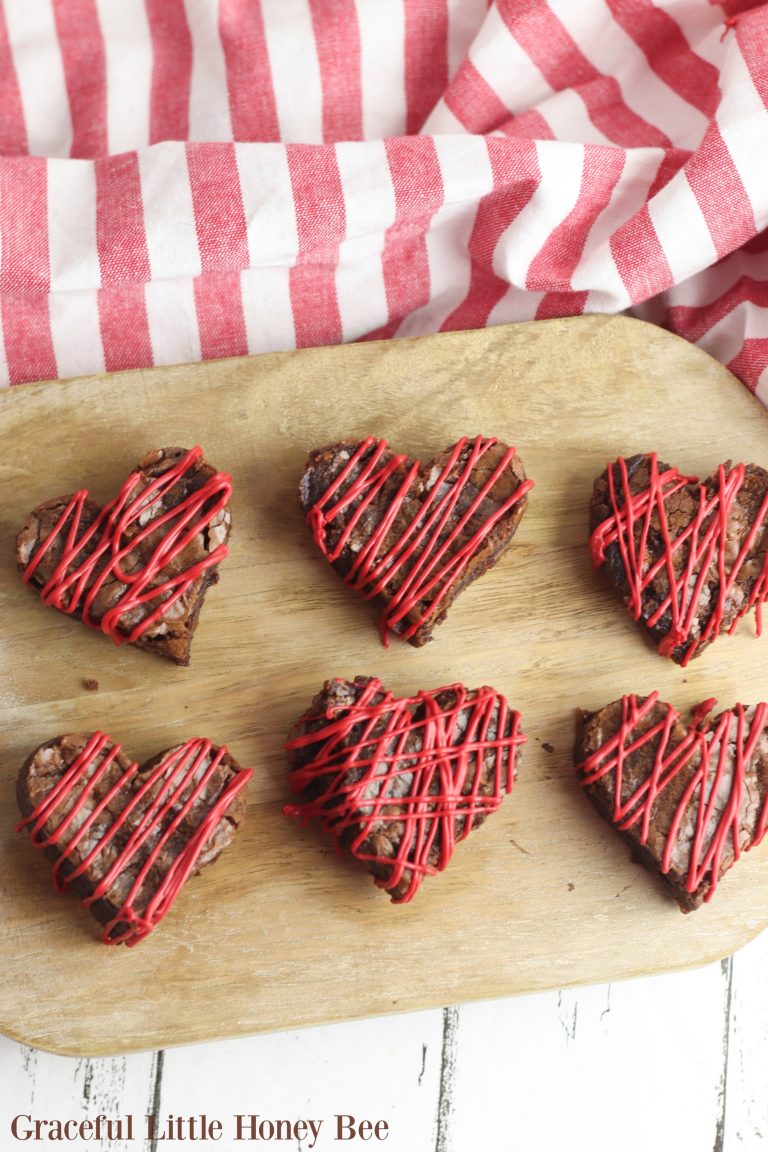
[[281, 932]]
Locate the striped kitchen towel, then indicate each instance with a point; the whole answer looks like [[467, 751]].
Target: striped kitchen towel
[[187, 179]]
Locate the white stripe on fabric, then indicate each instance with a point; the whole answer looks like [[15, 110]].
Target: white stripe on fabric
[[741, 118], [703, 26], [267, 309], [73, 255], [172, 320], [382, 35], [464, 19], [567, 115], [270, 218], [561, 169], [725, 339], [504, 65], [681, 228], [597, 265], [169, 217], [466, 171], [209, 117], [128, 53], [761, 391], [295, 70], [613, 53], [369, 207], [40, 73], [442, 120], [515, 307], [75, 333]]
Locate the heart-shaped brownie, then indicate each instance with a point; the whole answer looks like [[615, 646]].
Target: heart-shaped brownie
[[687, 798], [689, 559], [411, 536], [398, 782], [126, 838], [139, 567]]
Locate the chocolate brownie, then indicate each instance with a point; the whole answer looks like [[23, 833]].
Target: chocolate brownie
[[686, 798], [408, 536], [398, 782], [654, 529], [125, 838], [139, 568]]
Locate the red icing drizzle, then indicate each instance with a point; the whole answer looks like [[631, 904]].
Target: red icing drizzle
[[380, 779], [419, 552], [704, 538], [78, 578], [714, 780], [165, 811]]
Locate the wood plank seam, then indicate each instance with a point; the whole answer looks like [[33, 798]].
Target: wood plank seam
[[448, 1056], [726, 968]]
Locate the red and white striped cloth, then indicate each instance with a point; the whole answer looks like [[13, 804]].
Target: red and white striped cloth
[[186, 179]]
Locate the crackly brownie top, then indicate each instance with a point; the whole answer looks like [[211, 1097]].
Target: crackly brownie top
[[135, 567], [690, 559], [692, 797], [398, 782], [410, 535], [126, 837]]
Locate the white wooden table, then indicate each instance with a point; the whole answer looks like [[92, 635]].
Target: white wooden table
[[667, 1062]]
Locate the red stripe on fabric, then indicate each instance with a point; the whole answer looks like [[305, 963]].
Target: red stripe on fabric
[[473, 101], [252, 104], [750, 363], [672, 160], [426, 59], [668, 53], [558, 258], [25, 275], [220, 317], [120, 235], [752, 34], [337, 40], [386, 332], [557, 304], [695, 322], [640, 258], [27, 337], [516, 176], [563, 65], [171, 70], [217, 201], [25, 262], [529, 125], [417, 183], [124, 327], [85, 74], [321, 226], [13, 131], [721, 196]]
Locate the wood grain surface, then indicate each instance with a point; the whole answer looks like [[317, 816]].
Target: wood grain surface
[[281, 932]]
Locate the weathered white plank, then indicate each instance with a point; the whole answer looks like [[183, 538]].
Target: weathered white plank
[[636, 1065], [47, 1087], [528, 1072], [382, 1069], [746, 1081]]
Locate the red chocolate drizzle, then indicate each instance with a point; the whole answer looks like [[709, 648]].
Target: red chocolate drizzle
[[703, 755], [79, 577], [379, 779], [704, 538], [164, 789], [422, 551]]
